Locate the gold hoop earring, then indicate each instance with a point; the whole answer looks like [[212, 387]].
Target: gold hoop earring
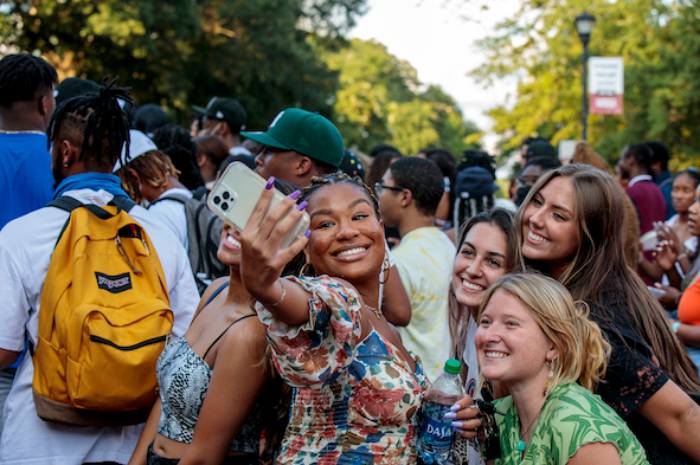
[[385, 270]]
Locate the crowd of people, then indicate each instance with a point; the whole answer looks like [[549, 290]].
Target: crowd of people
[[138, 327]]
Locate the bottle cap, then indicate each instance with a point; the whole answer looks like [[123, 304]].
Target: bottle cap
[[452, 366]]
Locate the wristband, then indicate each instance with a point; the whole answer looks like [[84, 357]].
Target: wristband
[[675, 326]]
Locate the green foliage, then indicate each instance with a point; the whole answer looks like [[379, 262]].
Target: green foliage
[[181, 52], [380, 99], [659, 41]]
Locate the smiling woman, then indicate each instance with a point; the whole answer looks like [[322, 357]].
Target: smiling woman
[[534, 340], [570, 228], [486, 252], [356, 389]]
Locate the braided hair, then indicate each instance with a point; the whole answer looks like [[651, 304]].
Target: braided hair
[[339, 177], [24, 77], [96, 122], [298, 266]]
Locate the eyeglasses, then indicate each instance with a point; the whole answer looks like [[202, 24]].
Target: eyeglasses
[[378, 187]]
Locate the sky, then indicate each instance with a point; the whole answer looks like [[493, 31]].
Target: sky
[[437, 37]]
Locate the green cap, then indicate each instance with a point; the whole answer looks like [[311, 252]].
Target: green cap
[[452, 366], [304, 132]]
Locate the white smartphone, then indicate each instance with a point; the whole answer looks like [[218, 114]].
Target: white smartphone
[[235, 194]]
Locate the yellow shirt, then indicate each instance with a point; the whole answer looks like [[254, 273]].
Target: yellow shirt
[[425, 259]]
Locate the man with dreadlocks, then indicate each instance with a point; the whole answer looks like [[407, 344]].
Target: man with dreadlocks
[[26, 104], [87, 135]]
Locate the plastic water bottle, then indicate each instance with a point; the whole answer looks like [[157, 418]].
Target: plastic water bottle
[[435, 435]]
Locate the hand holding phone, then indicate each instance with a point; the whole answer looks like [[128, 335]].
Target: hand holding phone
[[263, 254], [236, 193]]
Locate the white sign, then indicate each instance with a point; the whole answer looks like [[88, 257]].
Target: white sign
[[566, 150], [606, 85]]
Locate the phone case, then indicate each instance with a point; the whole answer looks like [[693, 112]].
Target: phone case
[[235, 194]]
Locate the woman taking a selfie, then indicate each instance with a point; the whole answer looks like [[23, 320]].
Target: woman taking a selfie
[[569, 228], [534, 340], [356, 389]]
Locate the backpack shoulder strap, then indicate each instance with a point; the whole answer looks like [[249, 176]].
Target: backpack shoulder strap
[[174, 197], [122, 203], [66, 203]]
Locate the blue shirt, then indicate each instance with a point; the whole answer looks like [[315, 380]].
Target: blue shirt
[[26, 181]]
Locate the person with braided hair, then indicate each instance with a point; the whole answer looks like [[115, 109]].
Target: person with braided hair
[[151, 179], [88, 134], [356, 388]]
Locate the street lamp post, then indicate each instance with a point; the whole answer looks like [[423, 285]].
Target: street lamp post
[[584, 25]]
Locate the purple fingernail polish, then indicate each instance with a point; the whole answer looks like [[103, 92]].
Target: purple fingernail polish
[[302, 205], [455, 407], [295, 195], [450, 415], [307, 233], [457, 424], [270, 183]]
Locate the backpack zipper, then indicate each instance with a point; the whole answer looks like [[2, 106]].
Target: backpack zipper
[[138, 345]]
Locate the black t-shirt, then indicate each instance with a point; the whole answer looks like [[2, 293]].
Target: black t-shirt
[[632, 377]]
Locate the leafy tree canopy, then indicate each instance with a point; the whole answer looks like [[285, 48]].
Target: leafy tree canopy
[[182, 52], [659, 41], [380, 99]]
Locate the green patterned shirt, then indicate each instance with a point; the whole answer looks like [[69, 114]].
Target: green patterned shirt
[[571, 417]]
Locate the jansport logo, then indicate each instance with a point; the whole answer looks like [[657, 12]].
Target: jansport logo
[[114, 284]]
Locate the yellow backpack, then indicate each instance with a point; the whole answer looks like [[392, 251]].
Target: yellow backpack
[[104, 317]]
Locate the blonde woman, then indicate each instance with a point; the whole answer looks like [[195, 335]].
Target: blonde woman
[[533, 339]]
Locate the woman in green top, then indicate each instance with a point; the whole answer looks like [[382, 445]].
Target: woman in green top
[[534, 340]]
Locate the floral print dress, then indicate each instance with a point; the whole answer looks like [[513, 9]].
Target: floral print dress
[[354, 400]]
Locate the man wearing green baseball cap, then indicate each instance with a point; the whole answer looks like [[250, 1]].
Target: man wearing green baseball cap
[[297, 146]]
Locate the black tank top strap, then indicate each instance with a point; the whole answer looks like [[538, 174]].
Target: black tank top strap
[[210, 299], [224, 332], [217, 292]]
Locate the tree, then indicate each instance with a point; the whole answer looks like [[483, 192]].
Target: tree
[[380, 99], [659, 42], [181, 52]]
